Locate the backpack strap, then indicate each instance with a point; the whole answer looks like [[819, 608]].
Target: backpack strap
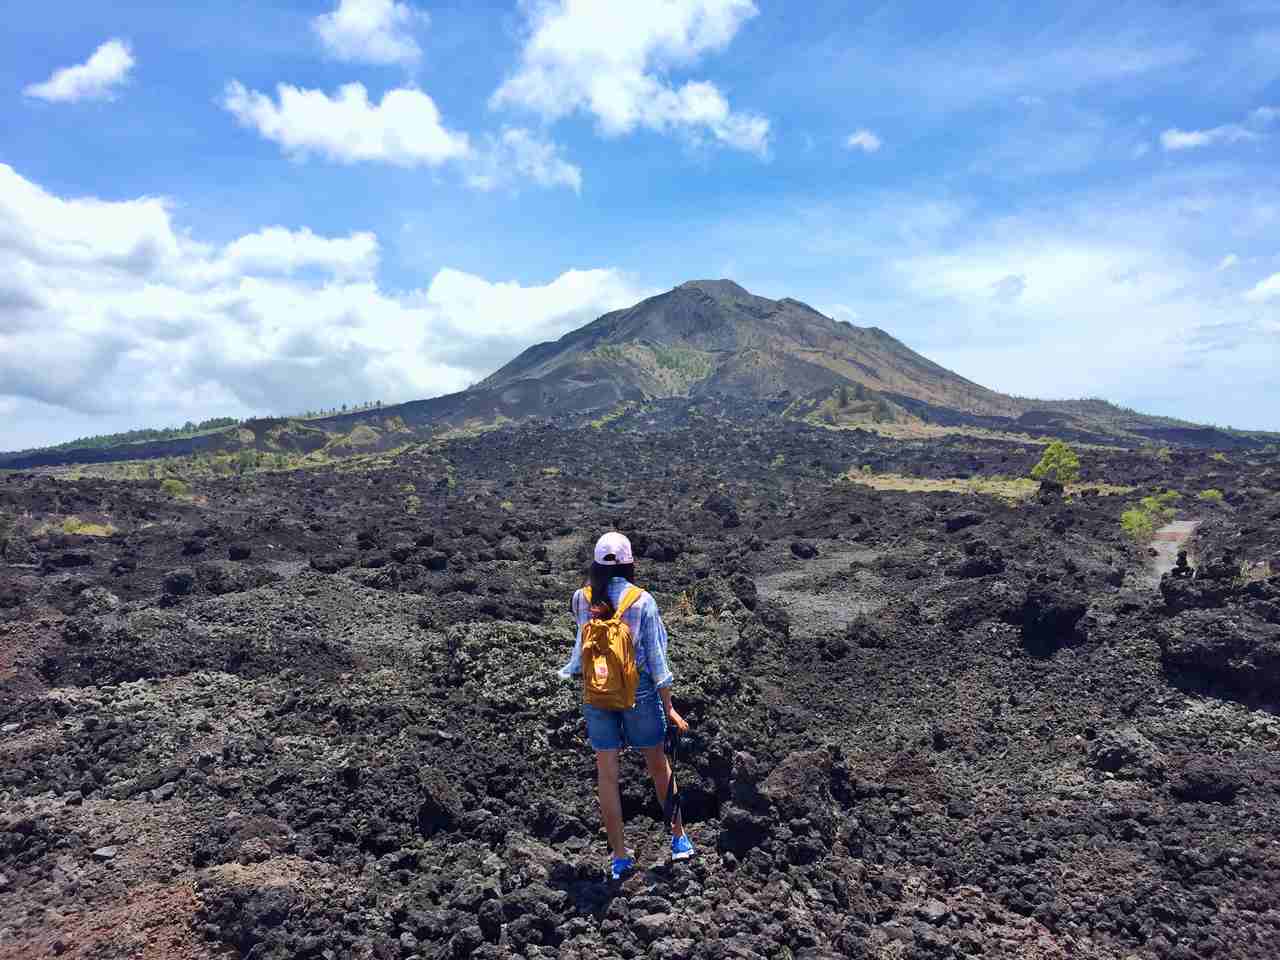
[[633, 594]]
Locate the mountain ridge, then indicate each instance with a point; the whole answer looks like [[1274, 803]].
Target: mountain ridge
[[738, 343], [701, 339]]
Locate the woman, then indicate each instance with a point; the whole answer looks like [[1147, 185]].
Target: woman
[[644, 726]]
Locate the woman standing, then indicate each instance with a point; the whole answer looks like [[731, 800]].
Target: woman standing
[[643, 726]]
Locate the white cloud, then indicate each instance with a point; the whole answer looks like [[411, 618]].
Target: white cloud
[[370, 31], [521, 154], [405, 129], [611, 60], [1265, 290], [842, 312], [1176, 139], [863, 140], [98, 78], [1227, 262], [112, 316], [276, 250]]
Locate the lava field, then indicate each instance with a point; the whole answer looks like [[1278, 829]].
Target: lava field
[[314, 714]]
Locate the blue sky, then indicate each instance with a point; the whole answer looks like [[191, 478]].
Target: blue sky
[[201, 214]]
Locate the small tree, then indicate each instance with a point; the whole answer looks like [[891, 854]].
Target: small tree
[[1058, 465]]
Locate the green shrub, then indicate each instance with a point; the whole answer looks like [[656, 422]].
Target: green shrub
[[1211, 495], [77, 527], [1141, 520], [1138, 524], [1059, 464], [1160, 505], [174, 487]]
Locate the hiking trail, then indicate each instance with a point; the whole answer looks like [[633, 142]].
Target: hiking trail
[[1166, 543]]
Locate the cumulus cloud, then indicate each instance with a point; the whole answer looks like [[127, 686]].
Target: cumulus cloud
[[98, 78], [112, 316], [863, 140], [1265, 290], [371, 31], [281, 251], [611, 59], [404, 129]]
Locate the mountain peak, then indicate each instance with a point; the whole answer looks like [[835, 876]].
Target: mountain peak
[[716, 288]]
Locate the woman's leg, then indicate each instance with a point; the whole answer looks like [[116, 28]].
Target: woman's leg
[[660, 769], [611, 799]]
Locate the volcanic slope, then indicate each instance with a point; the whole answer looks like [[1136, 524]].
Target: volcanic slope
[[314, 713], [712, 336]]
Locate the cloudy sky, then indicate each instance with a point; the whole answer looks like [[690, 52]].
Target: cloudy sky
[[262, 207]]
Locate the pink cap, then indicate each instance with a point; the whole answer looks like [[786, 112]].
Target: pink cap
[[613, 548]]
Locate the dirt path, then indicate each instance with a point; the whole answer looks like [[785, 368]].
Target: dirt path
[[840, 592], [1168, 540]]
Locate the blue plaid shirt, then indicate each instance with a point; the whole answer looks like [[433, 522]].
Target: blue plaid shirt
[[647, 632]]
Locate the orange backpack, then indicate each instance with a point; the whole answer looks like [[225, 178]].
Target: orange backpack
[[609, 673]]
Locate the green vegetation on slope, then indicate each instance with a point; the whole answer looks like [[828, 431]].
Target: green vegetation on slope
[[1142, 519], [1058, 465]]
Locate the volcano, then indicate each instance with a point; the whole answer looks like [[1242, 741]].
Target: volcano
[[714, 337]]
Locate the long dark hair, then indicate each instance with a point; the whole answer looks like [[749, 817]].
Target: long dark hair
[[598, 579]]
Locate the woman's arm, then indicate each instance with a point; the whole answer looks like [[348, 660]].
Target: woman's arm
[[655, 634], [679, 721], [575, 659]]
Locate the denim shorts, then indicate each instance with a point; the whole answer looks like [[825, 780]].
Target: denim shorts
[[643, 726]]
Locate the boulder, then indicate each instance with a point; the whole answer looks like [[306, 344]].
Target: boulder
[[1208, 781], [179, 582], [803, 549], [804, 788], [227, 576], [963, 520], [67, 559], [1209, 648], [1181, 593], [1125, 750], [980, 560], [1050, 616], [744, 588], [719, 504], [332, 562]]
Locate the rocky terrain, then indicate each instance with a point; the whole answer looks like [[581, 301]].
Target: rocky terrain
[[314, 713]]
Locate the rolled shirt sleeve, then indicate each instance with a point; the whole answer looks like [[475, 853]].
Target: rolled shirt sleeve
[[574, 665], [654, 644]]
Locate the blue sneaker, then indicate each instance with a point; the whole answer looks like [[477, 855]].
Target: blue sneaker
[[619, 867], [681, 847]]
